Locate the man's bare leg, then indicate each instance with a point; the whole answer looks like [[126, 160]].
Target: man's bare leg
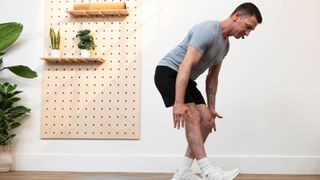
[[194, 138], [206, 122], [193, 132], [198, 127]]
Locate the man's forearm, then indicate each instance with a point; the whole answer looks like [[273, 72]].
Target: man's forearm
[[181, 83], [211, 90]]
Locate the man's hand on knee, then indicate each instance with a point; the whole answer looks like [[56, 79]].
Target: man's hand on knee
[[214, 114], [179, 111]]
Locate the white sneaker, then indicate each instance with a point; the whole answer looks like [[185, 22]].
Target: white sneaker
[[230, 174], [185, 175], [218, 174]]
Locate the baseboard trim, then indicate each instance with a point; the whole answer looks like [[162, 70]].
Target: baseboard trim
[[165, 164]]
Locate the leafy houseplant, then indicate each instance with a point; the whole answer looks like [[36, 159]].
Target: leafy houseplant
[[9, 120], [9, 113], [55, 43], [9, 33], [86, 42]]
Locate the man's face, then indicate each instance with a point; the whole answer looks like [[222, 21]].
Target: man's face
[[244, 25]]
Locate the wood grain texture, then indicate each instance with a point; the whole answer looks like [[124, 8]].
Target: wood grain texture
[[133, 176]]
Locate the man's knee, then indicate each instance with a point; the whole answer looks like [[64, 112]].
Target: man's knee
[[206, 121], [193, 116]]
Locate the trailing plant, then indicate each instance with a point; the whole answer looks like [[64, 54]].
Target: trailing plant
[[86, 40], [9, 113], [55, 39]]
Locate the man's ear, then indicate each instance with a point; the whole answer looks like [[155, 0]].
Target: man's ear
[[236, 16]]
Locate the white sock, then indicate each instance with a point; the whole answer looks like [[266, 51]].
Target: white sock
[[204, 165], [186, 163]]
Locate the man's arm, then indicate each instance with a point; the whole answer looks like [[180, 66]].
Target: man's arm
[[212, 85], [211, 90], [192, 57], [179, 109]]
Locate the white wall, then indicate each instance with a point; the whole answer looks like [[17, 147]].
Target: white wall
[[268, 93]]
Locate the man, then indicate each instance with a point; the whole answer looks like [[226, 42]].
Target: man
[[204, 48]]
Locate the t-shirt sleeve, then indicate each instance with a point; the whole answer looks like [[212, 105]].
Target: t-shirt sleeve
[[201, 37]]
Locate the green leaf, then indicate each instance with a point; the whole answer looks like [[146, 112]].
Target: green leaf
[[10, 95], [5, 105], [83, 32], [2, 138], [1, 115], [87, 46], [14, 93], [9, 33], [14, 100], [2, 53], [11, 136], [14, 125], [85, 38], [17, 111], [58, 39], [8, 139], [9, 87], [2, 88], [51, 37], [22, 71], [54, 40]]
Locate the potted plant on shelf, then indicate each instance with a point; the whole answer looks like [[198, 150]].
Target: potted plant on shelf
[[86, 43], [10, 114], [55, 43]]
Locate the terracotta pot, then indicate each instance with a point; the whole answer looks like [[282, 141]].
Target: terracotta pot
[[5, 158]]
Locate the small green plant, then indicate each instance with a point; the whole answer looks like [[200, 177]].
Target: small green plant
[[55, 39], [86, 40], [9, 113]]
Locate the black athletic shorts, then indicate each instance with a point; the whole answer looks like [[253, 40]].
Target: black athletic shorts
[[165, 80]]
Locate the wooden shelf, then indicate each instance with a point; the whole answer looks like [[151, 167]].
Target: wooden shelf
[[91, 13], [72, 59]]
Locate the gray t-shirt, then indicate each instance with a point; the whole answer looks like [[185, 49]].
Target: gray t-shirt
[[207, 38]]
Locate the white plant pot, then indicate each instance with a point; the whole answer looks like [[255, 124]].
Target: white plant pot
[[54, 53], [85, 53], [5, 158]]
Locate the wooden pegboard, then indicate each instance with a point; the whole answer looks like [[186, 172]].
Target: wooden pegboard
[[91, 100]]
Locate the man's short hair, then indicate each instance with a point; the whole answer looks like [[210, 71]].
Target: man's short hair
[[249, 9]]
